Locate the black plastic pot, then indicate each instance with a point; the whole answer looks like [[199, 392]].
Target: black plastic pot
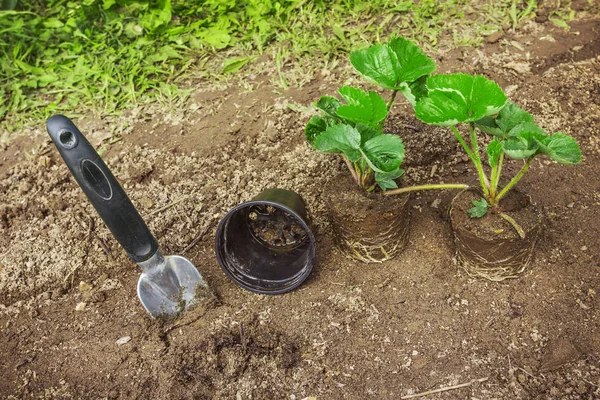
[[265, 245]]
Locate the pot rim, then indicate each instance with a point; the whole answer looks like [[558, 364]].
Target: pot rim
[[287, 284]]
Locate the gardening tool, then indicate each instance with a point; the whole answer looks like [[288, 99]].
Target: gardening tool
[[265, 245], [168, 285]]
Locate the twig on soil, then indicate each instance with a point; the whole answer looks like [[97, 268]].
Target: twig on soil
[[242, 339], [167, 206], [427, 393], [199, 237], [92, 234], [527, 373]]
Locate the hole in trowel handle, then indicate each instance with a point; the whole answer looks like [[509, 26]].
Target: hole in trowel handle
[[67, 139]]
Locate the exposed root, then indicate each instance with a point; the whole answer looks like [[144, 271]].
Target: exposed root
[[491, 267], [385, 245]]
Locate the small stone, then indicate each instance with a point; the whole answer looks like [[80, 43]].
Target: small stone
[[80, 306], [571, 205], [146, 202], [584, 248], [436, 203], [44, 161], [123, 340], [84, 287], [494, 37]]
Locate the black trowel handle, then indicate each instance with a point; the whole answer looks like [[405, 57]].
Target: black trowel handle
[[102, 189]]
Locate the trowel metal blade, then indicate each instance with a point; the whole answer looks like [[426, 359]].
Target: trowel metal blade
[[170, 288]]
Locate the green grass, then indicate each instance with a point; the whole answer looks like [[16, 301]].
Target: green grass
[[103, 56]]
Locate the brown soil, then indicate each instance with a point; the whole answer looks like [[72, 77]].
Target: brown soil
[[72, 326], [367, 226], [492, 226]]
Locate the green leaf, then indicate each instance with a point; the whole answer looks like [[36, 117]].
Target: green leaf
[[385, 180], [391, 66], [314, 128], [53, 23], [340, 139], [216, 37], [235, 64], [384, 153], [377, 63], [507, 119], [367, 132], [562, 148], [488, 125], [329, 106], [528, 131], [413, 63], [459, 98], [494, 150], [479, 209], [559, 22], [520, 148], [416, 90], [524, 140], [367, 108]]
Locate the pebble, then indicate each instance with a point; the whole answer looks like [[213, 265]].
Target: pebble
[[584, 248], [123, 340], [146, 202], [80, 306]]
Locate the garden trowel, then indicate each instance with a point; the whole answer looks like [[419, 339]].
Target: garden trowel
[[168, 285]]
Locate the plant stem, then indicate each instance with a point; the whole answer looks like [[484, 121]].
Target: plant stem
[[392, 98], [514, 180], [351, 168], [492, 175], [496, 172], [485, 183], [462, 142], [426, 187], [514, 224]]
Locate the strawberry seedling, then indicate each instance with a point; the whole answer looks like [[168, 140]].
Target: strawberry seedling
[[482, 105]]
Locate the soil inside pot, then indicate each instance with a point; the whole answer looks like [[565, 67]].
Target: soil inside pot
[[492, 226], [369, 227]]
